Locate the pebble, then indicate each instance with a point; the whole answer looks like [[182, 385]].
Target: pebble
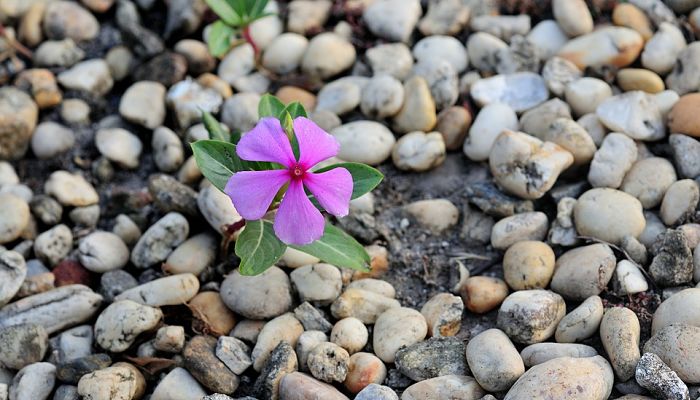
[[418, 151], [343, 95], [75, 111], [444, 387], [672, 264], [520, 91], [662, 50], [608, 214], [539, 353], [283, 328], [624, 45], [374, 391], [126, 229], [170, 339], [234, 353], [58, 53], [328, 362], [156, 244], [437, 215], [685, 76], [548, 38], [686, 151], [631, 79], [18, 117], [312, 318], [350, 334], [573, 17], [22, 345], [443, 313], [382, 97], [655, 376], [619, 332], [188, 99], [680, 201], [121, 322], [53, 245], [308, 340], [307, 16], [648, 180], [102, 252], [240, 111], [584, 95], [502, 26], [289, 94], [74, 343], [397, 327], [14, 217], [571, 136], [66, 19], [178, 384], [442, 80], [285, 52], [431, 358], [677, 346], [485, 51], [326, 120], [362, 304], [537, 121], [210, 312], [283, 360], [494, 361], [584, 271], [13, 271], [528, 265], [519, 227], [629, 278], [366, 142], [531, 316], [365, 370], [393, 20], [526, 166], [91, 76], [201, 361], [299, 386], [317, 283], [681, 118], [373, 285], [41, 83], [440, 47], [444, 18], [558, 73], [35, 381], [167, 291], [630, 16], [193, 255], [419, 111], [678, 309], [143, 103], [120, 381], [51, 140], [167, 149], [612, 161], [634, 113], [262, 296], [493, 119], [453, 124], [482, 294], [586, 378], [70, 189], [217, 208], [394, 59], [328, 54]]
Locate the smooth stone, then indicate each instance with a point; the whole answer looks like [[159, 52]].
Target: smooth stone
[[502, 26], [18, 118], [366, 142], [240, 111], [394, 59], [51, 140], [686, 155], [520, 91], [382, 97], [677, 346], [622, 46], [484, 50], [418, 151], [594, 127], [531, 316], [126, 229], [121, 381], [442, 47], [573, 16], [493, 119], [419, 110], [619, 333], [519, 227], [584, 95], [156, 244], [342, 95], [350, 334], [609, 215], [537, 121], [662, 50], [432, 358], [167, 291], [539, 353], [234, 353], [397, 327], [143, 103], [443, 313], [482, 294], [90, 76], [217, 208], [648, 180], [453, 123], [299, 386], [193, 255], [283, 361], [374, 391], [528, 264], [685, 76], [631, 79], [612, 161], [53, 245], [548, 38], [633, 17], [170, 339], [102, 252], [189, 99], [681, 118], [437, 215], [373, 285], [445, 387], [33, 382], [121, 322], [393, 20], [558, 73], [210, 312], [678, 309], [573, 378], [14, 217], [680, 201], [444, 18], [283, 328], [494, 361], [655, 376], [285, 52], [634, 113], [442, 80], [70, 189], [630, 278], [13, 271], [178, 384], [201, 361], [317, 283], [167, 149], [58, 53], [22, 345], [362, 304], [365, 371], [526, 166], [308, 340], [328, 54], [66, 19], [572, 137], [262, 296], [583, 272]]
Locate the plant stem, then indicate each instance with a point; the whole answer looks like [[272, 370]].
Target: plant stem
[[248, 38]]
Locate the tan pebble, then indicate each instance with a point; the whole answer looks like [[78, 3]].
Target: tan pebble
[[528, 265], [639, 79], [628, 15], [289, 94], [212, 81], [684, 116], [364, 369], [211, 314], [482, 294]]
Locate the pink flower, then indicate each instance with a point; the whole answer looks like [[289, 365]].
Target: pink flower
[[297, 221]]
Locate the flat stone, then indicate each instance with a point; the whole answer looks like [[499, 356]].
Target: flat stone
[[539, 353], [121, 322], [520, 91]]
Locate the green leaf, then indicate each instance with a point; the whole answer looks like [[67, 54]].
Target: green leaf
[[235, 137], [270, 106], [364, 177], [223, 9], [219, 39], [295, 109], [338, 248], [239, 6], [258, 8], [215, 129], [217, 161], [258, 247]]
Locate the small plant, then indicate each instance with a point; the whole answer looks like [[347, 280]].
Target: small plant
[[269, 175], [235, 18]]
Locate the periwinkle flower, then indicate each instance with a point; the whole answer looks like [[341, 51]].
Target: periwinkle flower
[[297, 220]]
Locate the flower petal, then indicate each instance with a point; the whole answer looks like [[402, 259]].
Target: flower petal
[[315, 144], [252, 192], [332, 189], [298, 221], [266, 142]]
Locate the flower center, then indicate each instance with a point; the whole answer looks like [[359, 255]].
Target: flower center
[[297, 172]]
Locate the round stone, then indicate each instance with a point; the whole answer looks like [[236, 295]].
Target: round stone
[[528, 265], [257, 297], [609, 215]]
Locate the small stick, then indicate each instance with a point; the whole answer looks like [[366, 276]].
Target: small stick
[[15, 44]]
